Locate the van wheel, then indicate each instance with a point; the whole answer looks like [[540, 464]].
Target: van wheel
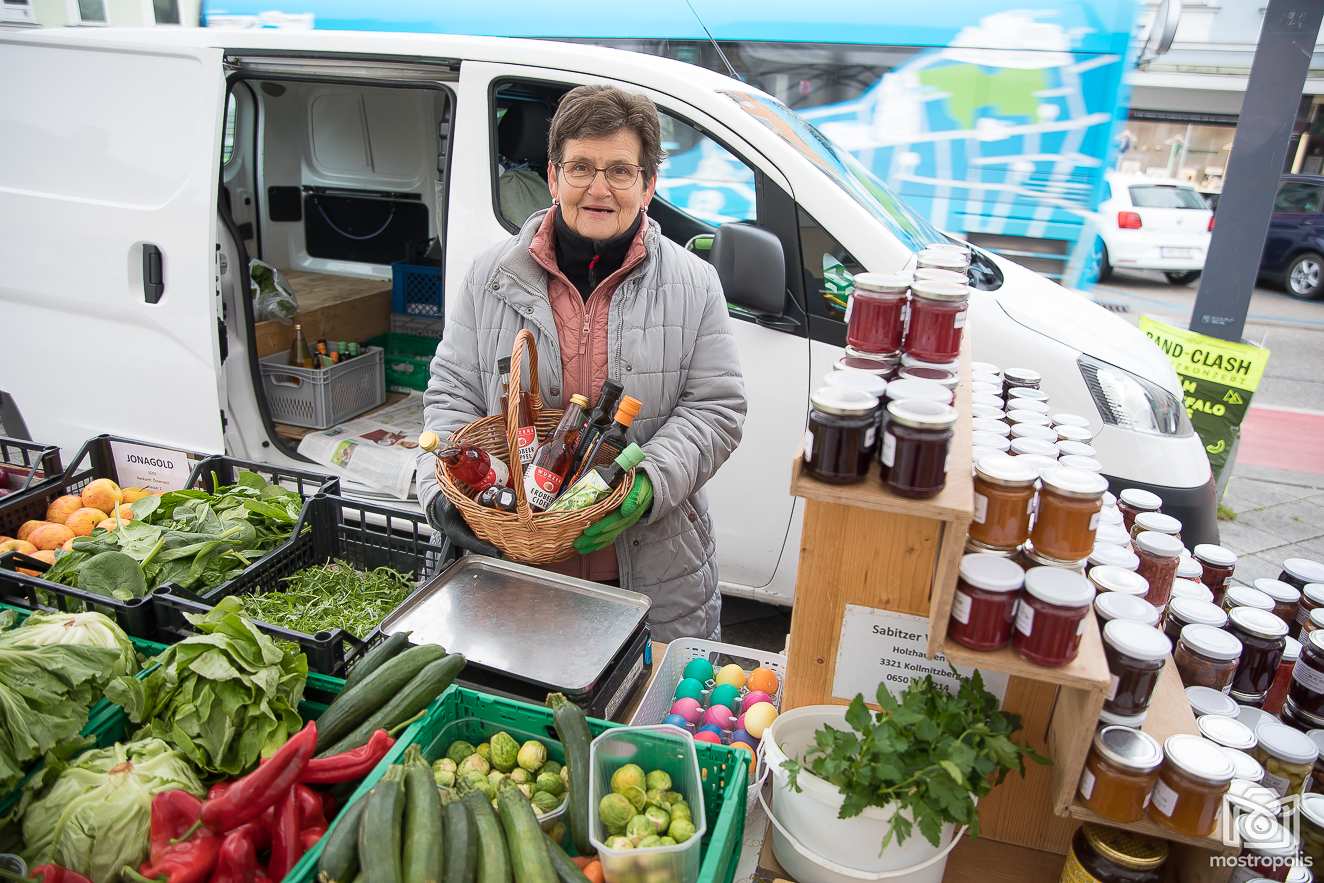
[[1101, 258], [1185, 278], [1305, 276]]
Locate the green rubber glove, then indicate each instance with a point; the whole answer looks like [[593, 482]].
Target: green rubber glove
[[604, 532]]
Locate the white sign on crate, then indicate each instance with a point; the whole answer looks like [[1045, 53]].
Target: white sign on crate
[[151, 467], [889, 647]]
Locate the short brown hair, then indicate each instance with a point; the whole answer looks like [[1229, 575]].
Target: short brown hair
[[597, 111]]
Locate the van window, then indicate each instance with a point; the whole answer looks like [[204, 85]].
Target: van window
[[702, 179], [166, 12], [227, 138], [828, 268]]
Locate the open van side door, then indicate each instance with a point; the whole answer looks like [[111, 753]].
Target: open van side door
[[108, 301]]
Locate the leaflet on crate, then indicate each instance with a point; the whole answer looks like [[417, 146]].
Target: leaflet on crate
[[374, 454]]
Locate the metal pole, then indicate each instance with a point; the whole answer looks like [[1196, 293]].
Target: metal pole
[[1259, 149]]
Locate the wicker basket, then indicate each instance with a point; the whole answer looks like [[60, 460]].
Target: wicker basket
[[524, 535]]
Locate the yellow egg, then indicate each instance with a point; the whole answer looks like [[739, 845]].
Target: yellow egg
[[752, 761], [763, 680], [731, 674], [758, 718]]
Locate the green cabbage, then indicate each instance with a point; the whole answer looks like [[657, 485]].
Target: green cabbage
[[96, 816], [81, 629], [505, 752]]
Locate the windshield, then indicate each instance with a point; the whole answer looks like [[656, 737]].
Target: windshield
[[1165, 196], [915, 232]]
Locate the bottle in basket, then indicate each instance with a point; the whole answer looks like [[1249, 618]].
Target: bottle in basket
[[553, 461], [527, 433], [599, 481], [600, 420], [467, 463], [615, 437]]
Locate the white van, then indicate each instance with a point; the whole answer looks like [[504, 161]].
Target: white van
[[125, 223]]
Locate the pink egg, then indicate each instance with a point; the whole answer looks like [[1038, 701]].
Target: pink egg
[[707, 736], [719, 715], [754, 698], [690, 709]]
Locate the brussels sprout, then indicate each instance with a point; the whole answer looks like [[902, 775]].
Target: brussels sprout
[[615, 811], [532, 755], [545, 802], [681, 811], [658, 779], [656, 798], [659, 817], [665, 841], [551, 783], [475, 763], [521, 776], [459, 750], [639, 828], [495, 777], [650, 841], [505, 752], [674, 797], [619, 843], [551, 767], [526, 790], [680, 830], [628, 776], [443, 778], [485, 751], [446, 764]]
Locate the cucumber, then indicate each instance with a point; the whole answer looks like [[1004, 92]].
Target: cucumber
[[461, 853], [406, 702], [339, 862], [524, 839], [572, 728], [422, 861], [351, 707], [493, 863], [376, 657], [566, 870], [379, 831]]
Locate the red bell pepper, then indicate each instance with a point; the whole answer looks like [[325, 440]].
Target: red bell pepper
[[247, 798], [237, 860], [56, 874], [187, 861], [308, 838], [284, 837], [353, 764], [311, 814], [173, 813]]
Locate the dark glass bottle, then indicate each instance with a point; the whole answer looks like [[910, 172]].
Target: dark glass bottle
[[599, 421], [615, 438]]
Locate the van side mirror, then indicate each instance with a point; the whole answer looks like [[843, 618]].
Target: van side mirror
[[751, 266]]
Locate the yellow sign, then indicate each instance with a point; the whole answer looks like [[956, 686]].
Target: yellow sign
[[1239, 365]]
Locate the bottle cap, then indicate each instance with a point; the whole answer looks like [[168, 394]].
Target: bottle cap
[[631, 457], [428, 441], [627, 410], [580, 400]]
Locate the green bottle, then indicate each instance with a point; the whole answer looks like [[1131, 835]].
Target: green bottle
[[599, 481]]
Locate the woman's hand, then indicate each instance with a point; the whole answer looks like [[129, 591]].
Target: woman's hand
[[604, 532], [443, 516]]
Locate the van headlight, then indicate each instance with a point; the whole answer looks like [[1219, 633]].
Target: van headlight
[[1132, 402]]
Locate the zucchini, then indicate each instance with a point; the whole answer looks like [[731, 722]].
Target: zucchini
[[461, 853], [493, 864], [390, 648], [379, 831], [566, 870], [351, 707], [339, 862], [406, 702], [572, 728], [422, 861], [524, 839]]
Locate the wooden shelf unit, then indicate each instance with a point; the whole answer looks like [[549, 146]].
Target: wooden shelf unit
[[1088, 671]]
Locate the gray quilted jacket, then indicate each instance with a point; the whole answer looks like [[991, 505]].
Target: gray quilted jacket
[[671, 346]]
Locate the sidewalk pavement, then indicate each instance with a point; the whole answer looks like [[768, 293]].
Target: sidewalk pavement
[[1278, 514]]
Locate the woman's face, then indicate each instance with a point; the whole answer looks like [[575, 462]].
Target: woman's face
[[597, 210]]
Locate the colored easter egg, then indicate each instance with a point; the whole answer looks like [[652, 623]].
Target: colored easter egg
[[699, 669], [689, 688], [754, 698], [745, 747], [759, 718], [688, 709], [740, 722], [719, 715], [763, 680], [741, 736], [731, 674], [712, 728], [725, 694], [709, 737], [676, 720]]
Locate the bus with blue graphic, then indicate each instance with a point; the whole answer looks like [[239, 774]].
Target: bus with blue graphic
[[993, 119]]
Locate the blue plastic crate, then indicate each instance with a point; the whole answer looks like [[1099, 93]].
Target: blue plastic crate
[[416, 290]]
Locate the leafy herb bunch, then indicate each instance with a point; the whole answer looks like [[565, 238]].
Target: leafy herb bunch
[[930, 756]]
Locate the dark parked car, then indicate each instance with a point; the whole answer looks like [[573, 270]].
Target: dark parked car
[[1294, 249]]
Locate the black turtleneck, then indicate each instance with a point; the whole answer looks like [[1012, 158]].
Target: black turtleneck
[[586, 262]]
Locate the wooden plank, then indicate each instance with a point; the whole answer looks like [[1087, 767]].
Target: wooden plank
[[1088, 671], [331, 307]]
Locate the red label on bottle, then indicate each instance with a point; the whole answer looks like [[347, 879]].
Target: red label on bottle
[[527, 437], [541, 487]]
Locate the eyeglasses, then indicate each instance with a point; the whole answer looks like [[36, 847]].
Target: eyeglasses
[[620, 176]]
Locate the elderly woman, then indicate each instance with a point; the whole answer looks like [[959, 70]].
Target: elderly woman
[[606, 295]]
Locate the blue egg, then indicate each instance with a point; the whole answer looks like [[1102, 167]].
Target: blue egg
[[676, 721], [714, 729], [742, 736]]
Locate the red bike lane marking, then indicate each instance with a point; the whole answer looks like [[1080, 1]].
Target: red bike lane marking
[[1283, 439]]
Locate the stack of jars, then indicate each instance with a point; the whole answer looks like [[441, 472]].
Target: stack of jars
[[1012, 415]]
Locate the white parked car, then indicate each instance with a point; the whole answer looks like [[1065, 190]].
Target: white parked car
[[1153, 224]]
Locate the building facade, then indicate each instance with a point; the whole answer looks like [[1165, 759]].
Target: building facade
[[98, 13]]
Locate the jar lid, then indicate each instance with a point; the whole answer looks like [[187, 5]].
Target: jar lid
[[1026, 392], [1075, 482], [909, 361], [1278, 590], [1317, 622], [1316, 639], [1314, 593], [888, 359], [930, 289], [1114, 606], [1185, 588], [1312, 805], [912, 389], [1115, 534], [1036, 446], [883, 282], [938, 274], [1287, 744], [985, 368], [1244, 767], [1207, 700], [1133, 721], [1132, 749], [983, 424], [1022, 375], [992, 573], [869, 384], [998, 444], [1219, 556], [1198, 757], [988, 400], [1266, 836], [1031, 430], [1212, 642], [1075, 461], [1160, 544], [1038, 462], [1252, 716], [1078, 449], [1109, 555], [1138, 498], [1022, 404], [1245, 596], [1073, 433], [1158, 522], [1257, 622], [1304, 569], [987, 412], [1226, 731], [843, 401], [1291, 649], [866, 365], [1056, 585], [1065, 419], [1189, 568], [1005, 470], [1142, 642], [921, 414], [1249, 789], [943, 258], [1109, 578], [1109, 499], [1193, 611], [1108, 514], [984, 387], [1022, 415], [937, 375]]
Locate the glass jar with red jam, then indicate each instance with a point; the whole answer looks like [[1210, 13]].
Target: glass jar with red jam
[[875, 313], [1286, 599], [1003, 494], [841, 436], [1114, 605], [1133, 501], [1190, 611], [1306, 690], [1207, 657], [1263, 639], [1135, 655], [1245, 596], [1300, 572], [1189, 568], [1068, 512], [1282, 679], [1312, 597], [1156, 522], [1219, 563], [937, 317], [984, 606], [914, 449], [1052, 616], [947, 378], [1158, 554]]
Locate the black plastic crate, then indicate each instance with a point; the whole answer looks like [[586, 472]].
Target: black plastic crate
[[364, 534], [26, 468]]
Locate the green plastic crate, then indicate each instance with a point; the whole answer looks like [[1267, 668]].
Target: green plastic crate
[[723, 770], [408, 360]]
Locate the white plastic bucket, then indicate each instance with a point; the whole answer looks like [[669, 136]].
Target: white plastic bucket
[[810, 842]]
